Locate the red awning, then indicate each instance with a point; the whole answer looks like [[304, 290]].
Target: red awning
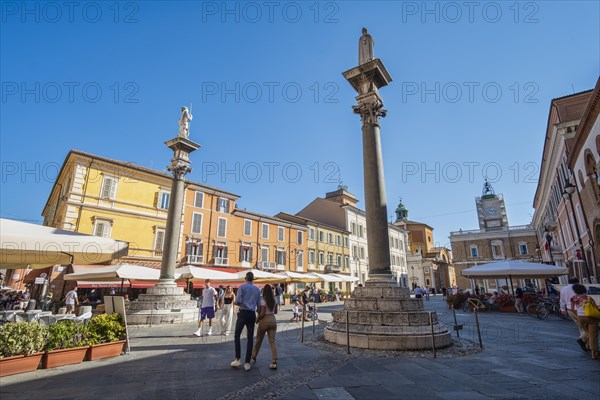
[[101, 284]]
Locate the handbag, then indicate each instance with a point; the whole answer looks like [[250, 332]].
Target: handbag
[[591, 310]]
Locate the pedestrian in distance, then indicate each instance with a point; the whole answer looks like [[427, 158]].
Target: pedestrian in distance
[[248, 301], [427, 293], [227, 310], [266, 324], [519, 301], [305, 298], [71, 300], [209, 301], [296, 311], [590, 324], [276, 293], [418, 292], [444, 293], [566, 294]]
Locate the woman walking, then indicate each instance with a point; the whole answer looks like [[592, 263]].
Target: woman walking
[[589, 324], [227, 310], [266, 324]]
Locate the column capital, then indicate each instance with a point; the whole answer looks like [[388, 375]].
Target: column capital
[[370, 108]]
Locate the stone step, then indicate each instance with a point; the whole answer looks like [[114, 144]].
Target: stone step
[[382, 292], [392, 318], [163, 305], [399, 341], [383, 304]]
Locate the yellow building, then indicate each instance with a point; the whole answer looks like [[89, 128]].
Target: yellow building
[[327, 246]]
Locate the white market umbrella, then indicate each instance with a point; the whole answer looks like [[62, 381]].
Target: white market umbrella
[[198, 273], [326, 277], [116, 273], [261, 276], [502, 269], [347, 278], [293, 277], [39, 246]]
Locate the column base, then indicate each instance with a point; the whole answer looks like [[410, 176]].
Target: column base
[[165, 303]]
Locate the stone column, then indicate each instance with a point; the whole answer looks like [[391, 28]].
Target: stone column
[[366, 79], [166, 302], [180, 166], [381, 315]]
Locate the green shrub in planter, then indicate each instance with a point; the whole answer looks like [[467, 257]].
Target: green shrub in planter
[[105, 328], [22, 338], [66, 335]]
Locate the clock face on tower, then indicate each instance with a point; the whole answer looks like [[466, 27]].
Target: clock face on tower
[[492, 211]]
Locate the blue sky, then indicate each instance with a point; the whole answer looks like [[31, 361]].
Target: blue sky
[[470, 97]]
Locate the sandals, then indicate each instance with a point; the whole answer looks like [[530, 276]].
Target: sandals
[[273, 365]]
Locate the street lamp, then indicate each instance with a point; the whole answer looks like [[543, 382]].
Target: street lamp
[[569, 190]]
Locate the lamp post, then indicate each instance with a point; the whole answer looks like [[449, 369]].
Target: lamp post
[[569, 190]]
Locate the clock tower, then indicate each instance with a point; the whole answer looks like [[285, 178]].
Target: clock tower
[[491, 210]]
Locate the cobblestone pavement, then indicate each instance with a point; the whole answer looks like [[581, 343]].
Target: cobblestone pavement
[[521, 358]]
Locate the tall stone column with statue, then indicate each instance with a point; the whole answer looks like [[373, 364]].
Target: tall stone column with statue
[[381, 315], [166, 303]]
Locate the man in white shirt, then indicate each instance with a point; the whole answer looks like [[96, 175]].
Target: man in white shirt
[[209, 299], [71, 300], [566, 294]]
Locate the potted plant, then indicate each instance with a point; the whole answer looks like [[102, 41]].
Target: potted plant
[[506, 302], [21, 345], [66, 344], [106, 335]]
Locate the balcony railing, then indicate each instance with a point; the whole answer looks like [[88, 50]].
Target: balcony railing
[[267, 266], [510, 228], [221, 261], [332, 268], [195, 259], [157, 253]]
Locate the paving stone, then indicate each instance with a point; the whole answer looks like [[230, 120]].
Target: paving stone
[[333, 393], [373, 392]]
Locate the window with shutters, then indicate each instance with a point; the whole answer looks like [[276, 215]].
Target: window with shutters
[[247, 227], [346, 244], [353, 226], [280, 234], [246, 252], [321, 258], [159, 242], [223, 205], [329, 238], [264, 254], [523, 249], [194, 249], [197, 223], [300, 237], [360, 231], [220, 253], [339, 260], [362, 252], [474, 251], [222, 228], [311, 257], [199, 199], [321, 236], [280, 256], [311, 234], [338, 240], [163, 200], [300, 261], [109, 187], [265, 231], [329, 258], [102, 227], [497, 249]]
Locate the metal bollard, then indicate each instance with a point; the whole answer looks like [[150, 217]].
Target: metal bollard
[[302, 326], [478, 330], [432, 334], [347, 332]]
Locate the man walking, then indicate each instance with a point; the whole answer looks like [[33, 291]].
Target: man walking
[[209, 298], [71, 300], [248, 302], [566, 294]]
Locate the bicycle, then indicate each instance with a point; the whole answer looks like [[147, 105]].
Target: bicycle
[[474, 303]]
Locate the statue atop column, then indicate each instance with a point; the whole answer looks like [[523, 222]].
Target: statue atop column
[[365, 48], [184, 123]]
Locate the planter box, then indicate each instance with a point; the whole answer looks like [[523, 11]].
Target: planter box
[[19, 364], [58, 358], [104, 350]]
